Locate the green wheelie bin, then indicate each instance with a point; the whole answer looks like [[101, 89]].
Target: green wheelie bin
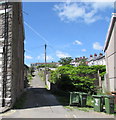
[[109, 104], [83, 99], [74, 98], [98, 103]]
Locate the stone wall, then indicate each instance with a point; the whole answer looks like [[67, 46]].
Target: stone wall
[[6, 55], [11, 54], [1, 57]]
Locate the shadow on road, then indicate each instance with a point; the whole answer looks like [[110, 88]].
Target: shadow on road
[[36, 97]]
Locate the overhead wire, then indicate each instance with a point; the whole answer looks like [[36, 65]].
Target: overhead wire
[[37, 33], [41, 36]]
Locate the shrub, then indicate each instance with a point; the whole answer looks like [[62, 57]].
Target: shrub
[[76, 78]]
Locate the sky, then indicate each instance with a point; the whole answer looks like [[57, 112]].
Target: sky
[[73, 29]]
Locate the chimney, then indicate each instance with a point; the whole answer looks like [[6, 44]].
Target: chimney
[[100, 54], [95, 55], [91, 56]]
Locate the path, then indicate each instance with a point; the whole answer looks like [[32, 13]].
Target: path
[[40, 103]]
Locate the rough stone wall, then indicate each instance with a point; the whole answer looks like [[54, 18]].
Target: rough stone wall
[[6, 54], [11, 55], [9, 60], [1, 57]]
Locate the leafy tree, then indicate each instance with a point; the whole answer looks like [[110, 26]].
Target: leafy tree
[[65, 61], [79, 78], [101, 68]]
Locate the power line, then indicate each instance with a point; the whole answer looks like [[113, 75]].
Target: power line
[[37, 33], [43, 38]]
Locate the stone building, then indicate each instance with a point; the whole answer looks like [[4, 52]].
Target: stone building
[[11, 53]]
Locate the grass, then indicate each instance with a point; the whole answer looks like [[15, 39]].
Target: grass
[[29, 77], [46, 86], [41, 75], [20, 102], [85, 109]]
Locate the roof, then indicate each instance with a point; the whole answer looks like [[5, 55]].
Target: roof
[[111, 26], [96, 58], [45, 63]]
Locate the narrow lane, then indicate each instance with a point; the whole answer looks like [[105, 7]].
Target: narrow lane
[[40, 103]]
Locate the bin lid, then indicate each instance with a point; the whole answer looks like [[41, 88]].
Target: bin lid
[[97, 96], [74, 92], [109, 96], [82, 93]]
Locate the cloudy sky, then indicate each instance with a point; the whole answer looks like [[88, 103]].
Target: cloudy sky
[[68, 29]]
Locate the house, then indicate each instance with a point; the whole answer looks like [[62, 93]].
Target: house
[[96, 60], [11, 53], [79, 60], [74, 63], [110, 55]]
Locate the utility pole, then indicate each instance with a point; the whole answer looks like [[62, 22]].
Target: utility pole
[[45, 63]]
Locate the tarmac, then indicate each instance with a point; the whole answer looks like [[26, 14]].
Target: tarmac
[[40, 103]]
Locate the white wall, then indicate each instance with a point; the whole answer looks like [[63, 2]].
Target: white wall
[[110, 60]]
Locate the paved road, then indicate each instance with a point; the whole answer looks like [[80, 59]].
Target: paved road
[[40, 103]]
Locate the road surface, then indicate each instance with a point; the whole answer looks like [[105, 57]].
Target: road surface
[[40, 103]]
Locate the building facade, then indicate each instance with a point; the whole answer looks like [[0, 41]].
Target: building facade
[[79, 60], [97, 60], [110, 55], [11, 53]]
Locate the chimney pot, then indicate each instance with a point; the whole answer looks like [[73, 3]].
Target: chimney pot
[[91, 55], [100, 54], [95, 54]]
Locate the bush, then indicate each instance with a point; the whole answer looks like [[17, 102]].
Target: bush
[[79, 78]]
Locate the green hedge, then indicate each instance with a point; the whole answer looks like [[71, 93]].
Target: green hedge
[[76, 78]]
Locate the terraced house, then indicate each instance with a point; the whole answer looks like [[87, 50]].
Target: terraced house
[[110, 55], [11, 53]]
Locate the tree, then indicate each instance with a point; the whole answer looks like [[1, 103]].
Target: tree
[[65, 61]]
